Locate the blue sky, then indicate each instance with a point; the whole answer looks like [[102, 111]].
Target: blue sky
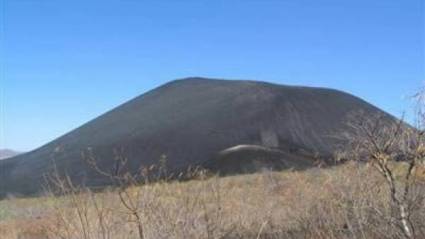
[[66, 62]]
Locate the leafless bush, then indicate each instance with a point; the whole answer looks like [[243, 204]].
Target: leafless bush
[[381, 143]]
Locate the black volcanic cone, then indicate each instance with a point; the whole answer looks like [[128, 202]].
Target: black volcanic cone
[[197, 121]]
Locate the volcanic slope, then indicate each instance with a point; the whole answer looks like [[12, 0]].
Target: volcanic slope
[[7, 153], [225, 125]]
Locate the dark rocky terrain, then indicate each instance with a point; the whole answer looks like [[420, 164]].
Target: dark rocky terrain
[[227, 126]]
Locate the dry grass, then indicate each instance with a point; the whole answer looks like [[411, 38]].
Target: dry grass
[[348, 201]]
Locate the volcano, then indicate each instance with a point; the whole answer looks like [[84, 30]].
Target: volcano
[[228, 126]]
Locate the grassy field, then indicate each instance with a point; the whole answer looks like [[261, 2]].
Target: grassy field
[[348, 201]]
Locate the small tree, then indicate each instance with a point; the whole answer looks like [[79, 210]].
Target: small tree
[[125, 183], [386, 144]]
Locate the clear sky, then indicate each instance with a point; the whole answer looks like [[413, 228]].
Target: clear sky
[[66, 62]]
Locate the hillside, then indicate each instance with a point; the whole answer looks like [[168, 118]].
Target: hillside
[[7, 153], [195, 121]]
